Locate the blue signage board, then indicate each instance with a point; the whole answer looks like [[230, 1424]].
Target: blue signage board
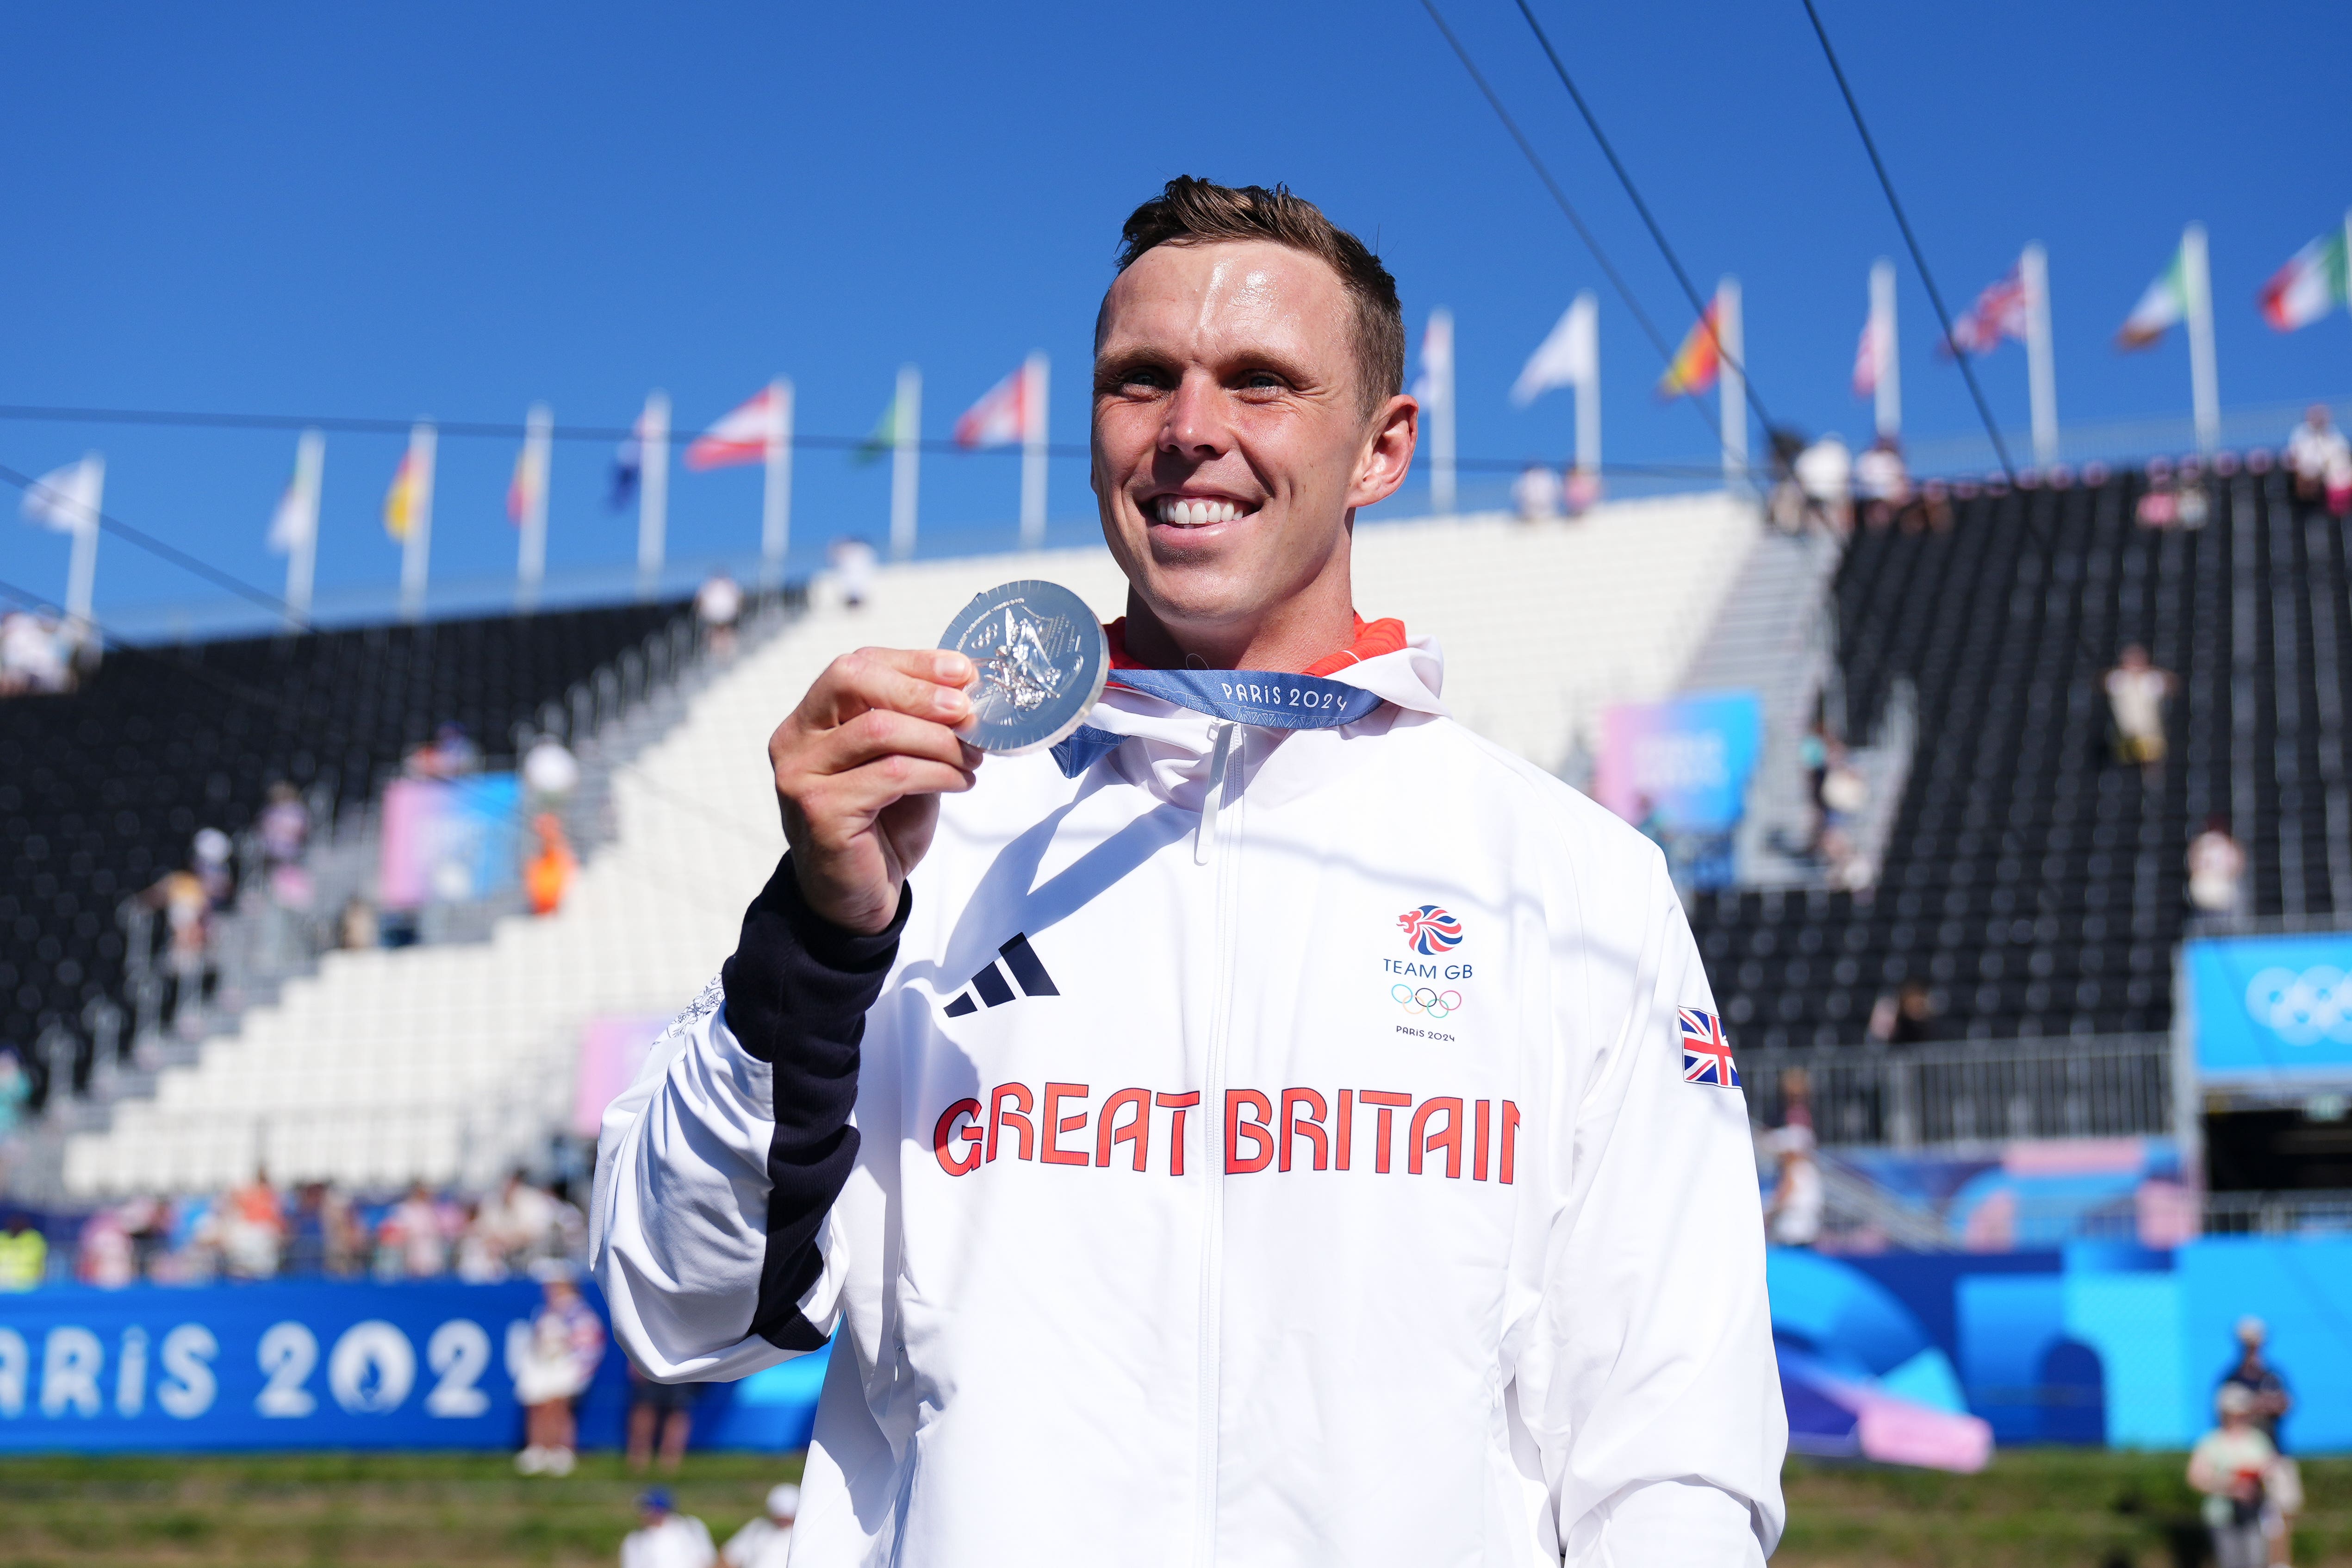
[[2271, 1009], [320, 1364]]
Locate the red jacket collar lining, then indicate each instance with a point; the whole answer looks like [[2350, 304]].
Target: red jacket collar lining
[[1372, 638]]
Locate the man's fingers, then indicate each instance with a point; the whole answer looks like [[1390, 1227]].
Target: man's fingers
[[926, 683], [880, 734], [843, 803]]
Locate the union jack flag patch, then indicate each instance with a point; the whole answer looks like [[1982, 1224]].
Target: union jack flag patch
[[1706, 1055]]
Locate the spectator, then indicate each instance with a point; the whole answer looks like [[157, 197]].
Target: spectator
[[1882, 485], [1906, 1018], [2271, 1402], [210, 859], [2137, 692], [549, 773], [284, 826], [187, 967], [522, 1222], [23, 1254], [317, 1234], [1579, 490], [557, 1361], [2231, 1465], [766, 1542], [33, 657], [1794, 1217], [2316, 451], [356, 928], [1824, 475], [547, 875], [16, 1089], [853, 562], [660, 1415], [413, 1240], [666, 1538], [717, 604], [1535, 494], [2217, 869], [252, 1229], [450, 754], [478, 1259], [105, 1255]]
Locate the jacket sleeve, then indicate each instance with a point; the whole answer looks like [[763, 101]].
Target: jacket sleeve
[[718, 1169], [1646, 1379]]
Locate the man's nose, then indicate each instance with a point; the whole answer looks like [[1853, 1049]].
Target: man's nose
[[1196, 423]]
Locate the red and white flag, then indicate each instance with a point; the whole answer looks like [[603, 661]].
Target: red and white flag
[[1865, 361], [1002, 415], [742, 436], [1999, 312]]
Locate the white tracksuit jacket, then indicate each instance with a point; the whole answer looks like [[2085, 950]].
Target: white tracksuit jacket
[[1190, 1231]]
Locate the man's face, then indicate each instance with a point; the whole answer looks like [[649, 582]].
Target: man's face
[[1230, 436]]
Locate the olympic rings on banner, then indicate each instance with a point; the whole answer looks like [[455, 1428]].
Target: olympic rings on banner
[[2302, 1009], [1436, 1003]]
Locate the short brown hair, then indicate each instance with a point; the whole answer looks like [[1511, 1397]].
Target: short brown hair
[[1193, 211]]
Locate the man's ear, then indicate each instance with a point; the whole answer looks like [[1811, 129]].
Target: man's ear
[[1390, 437]]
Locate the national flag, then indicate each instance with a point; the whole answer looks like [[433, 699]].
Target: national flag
[[1001, 418], [628, 466], [1436, 358], [1697, 362], [884, 437], [1569, 355], [1706, 1054], [296, 520], [2163, 304], [528, 483], [2310, 285], [66, 499], [1865, 361], [741, 435], [1998, 312], [400, 502]]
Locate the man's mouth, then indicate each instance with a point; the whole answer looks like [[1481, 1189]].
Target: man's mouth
[[1198, 511]]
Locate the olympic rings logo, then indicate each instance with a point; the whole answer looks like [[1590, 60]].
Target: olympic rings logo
[[1436, 1003], [2302, 1009]]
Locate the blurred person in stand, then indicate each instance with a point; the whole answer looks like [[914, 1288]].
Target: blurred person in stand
[[1906, 1018], [212, 858], [357, 928], [1793, 1216], [666, 1538], [252, 1229], [853, 562], [550, 774], [33, 657], [2232, 1465], [554, 1362], [188, 973], [1579, 490], [2269, 1403], [766, 1542], [719, 605], [23, 1254], [478, 1259], [520, 1222], [2136, 693], [284, 826], [2315, 450], [1882, 485], [449, 754], [1535, 494], [1824, 475], [16, 1089], [547, 875], [2217, 869], [311, 1242], [104, 1254], [412, 1240]]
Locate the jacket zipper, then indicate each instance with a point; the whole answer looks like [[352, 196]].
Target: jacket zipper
[[1225, 762]]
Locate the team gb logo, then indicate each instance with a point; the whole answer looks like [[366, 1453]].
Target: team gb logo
[[1429, 929]]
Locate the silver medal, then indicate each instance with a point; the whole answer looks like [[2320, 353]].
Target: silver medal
[[1042, 661]]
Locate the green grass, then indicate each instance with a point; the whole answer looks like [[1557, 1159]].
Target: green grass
[[2033, 1508]]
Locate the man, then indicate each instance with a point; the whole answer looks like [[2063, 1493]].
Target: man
[[2232, 1465], [2315, 450], [1356, 1176], [665, 1538], [766, 1542], [2136, 693], [2267, 1403]]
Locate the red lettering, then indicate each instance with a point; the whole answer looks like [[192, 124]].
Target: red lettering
[[1235, 1129], [1309, 1126], [1135, 1130], [1179, 1104], [997, 1118], [1510, 1139], [1419, 1140], [1055, 1125], [1388, 1100], [947, 1131], [1484, 1130], [1344, 1136]]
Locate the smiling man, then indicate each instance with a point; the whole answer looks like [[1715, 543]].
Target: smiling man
[[1283, 1127]]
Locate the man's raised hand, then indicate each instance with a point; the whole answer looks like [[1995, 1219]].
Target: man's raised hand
[[860, 766]]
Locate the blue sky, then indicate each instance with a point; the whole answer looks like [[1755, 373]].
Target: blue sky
[[455, 210]]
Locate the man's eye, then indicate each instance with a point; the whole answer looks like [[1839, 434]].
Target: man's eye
[[1144, 379], [1261, 381]]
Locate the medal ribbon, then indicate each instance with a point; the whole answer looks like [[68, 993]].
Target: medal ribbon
[[1268, 698]]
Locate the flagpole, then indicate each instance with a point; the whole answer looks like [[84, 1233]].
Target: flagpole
[[1588, 395], [776, 504], [653, 493], [1442, 492], [2204, 385], [416, 543], [302, 556], [2041, 377], [81, 566], [1889, 390], [531, 553], [1731, 381], [1032, 452], [906, 430]]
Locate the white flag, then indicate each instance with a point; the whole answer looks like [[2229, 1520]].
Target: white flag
[[296, 521], [66, 499], [1436, 377], [1569, 356]]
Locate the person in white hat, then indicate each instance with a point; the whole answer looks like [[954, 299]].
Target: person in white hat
[[2232, 1465], [766, 1542]]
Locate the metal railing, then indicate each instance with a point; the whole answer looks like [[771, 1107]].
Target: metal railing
[[2276, 1213], [2103, 1086]]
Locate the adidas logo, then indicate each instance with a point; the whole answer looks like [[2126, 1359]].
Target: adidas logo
[[990, 985]]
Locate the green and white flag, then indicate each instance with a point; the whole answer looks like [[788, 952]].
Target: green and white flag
[[2161, 308], [2309, 286]]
